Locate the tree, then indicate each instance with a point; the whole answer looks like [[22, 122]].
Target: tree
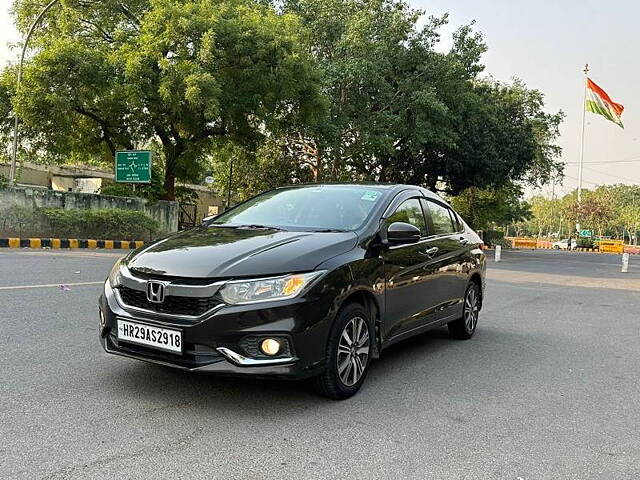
[[401, 111], [254, 171], [544, 212], [608, 210], [492, 207], [111, 75]]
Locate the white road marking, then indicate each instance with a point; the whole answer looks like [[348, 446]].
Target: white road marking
[[50, 285]]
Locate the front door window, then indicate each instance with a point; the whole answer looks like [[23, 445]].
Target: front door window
[[410, 212]]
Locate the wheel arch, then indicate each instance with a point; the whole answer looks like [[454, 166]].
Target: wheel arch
[[368, 300], [477, 279]]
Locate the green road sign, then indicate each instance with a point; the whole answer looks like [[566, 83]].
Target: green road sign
[[586, 233], [133, 166]]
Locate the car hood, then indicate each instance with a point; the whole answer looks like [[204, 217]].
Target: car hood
[[223, 252]]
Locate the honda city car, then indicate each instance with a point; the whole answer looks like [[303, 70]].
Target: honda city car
[[307, 281]]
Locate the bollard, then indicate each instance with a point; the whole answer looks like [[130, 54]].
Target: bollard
[[625, 262], [498, 252]]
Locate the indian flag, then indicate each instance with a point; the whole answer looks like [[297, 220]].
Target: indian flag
[[599, 102]]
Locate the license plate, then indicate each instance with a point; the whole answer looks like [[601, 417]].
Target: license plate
[[150, 336]]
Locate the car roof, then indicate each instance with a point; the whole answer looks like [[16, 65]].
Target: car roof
[[391, 187]]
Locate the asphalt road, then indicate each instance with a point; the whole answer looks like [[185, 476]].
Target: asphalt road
[[549, 388]]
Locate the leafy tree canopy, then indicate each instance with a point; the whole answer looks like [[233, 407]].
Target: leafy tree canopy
[[608, 210], [294, 89], [492, 207], [111, 74], [401, 110]]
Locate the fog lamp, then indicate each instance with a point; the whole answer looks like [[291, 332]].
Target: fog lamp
[[270, 346]]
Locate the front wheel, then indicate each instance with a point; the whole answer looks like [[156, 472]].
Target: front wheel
[[348, 353], [465, 327]]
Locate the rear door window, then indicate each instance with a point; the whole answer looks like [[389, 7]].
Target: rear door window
[[440, 218], [457, 223]]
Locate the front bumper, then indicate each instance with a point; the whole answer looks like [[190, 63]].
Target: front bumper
[[224, 342]]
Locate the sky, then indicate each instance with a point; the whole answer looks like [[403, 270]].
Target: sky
[[545, 43]]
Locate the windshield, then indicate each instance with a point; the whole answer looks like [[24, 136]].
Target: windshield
[[318, 207]]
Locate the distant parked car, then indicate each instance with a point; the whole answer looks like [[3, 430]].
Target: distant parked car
[[564, 244]]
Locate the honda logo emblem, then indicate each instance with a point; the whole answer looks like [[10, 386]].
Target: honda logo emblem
[[155, 292]]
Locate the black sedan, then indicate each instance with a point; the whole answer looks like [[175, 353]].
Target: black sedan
[[298, 282]]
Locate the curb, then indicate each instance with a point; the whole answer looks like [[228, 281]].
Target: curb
[[68, 243]]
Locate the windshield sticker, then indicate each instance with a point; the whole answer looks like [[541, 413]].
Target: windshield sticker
[[370, 196]]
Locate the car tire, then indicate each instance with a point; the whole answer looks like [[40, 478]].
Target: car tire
[[556, 247], [347, 364], [464, 327]]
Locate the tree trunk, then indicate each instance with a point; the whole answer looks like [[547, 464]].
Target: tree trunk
[[169, 179], [317, 171]]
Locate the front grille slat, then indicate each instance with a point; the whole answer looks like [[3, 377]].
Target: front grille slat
[[172, 304]]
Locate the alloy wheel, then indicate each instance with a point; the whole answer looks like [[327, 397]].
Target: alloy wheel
[[353, 351], [471, 310]]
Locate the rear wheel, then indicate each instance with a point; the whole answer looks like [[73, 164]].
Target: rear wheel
[[465, 327], [348, 353]]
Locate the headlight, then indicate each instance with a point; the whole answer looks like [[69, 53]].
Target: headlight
[[263, 289], [115, 277]]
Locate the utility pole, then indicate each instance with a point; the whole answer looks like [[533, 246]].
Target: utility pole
[[14, 153]]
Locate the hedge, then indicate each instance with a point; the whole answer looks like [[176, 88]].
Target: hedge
[[107, 224]]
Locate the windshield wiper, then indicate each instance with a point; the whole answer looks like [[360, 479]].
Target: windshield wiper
[[328, 230], [255, 226]]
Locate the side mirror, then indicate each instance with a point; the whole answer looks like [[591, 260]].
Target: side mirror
[[400, 233]]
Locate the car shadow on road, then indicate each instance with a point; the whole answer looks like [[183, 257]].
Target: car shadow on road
[[417, 359]]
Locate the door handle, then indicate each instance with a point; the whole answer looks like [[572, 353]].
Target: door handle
[[430, 252]]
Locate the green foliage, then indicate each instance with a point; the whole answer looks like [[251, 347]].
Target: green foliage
[[402, 111], [107, 224], [503, 242], [16, 219], [153, 191], [585, 243], [110, 74], [110, 223], [486, 208], [296, 90], [610, 210], [4, 182], [253, 172], [492, 238]]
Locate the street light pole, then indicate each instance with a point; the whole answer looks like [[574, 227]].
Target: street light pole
[[14, 153]]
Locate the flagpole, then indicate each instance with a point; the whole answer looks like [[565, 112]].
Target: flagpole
[[584, 109]]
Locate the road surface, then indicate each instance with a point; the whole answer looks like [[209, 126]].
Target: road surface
[[547, 389]]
